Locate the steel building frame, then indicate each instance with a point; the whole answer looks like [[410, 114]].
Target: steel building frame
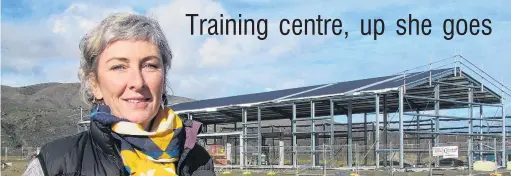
[[407, 93]]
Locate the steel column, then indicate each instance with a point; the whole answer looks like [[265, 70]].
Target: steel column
[[504, 160], [214, 131], [350, 133], [205, 140], [313, 135], [365, 137], [495, 152], [272, 139], [418, 138], [259, 136], [242, 151], [293, 129], [437, 119], [470, 126], [401, 132], [432, 130], [377, 129], [385, 131], [332, 127], [324, 129], [244, 139], [481, 132], [236, 142]]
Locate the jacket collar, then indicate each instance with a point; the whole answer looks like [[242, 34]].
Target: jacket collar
[[102, 139]]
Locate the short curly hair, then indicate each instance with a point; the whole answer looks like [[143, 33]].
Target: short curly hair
[[115, 27]]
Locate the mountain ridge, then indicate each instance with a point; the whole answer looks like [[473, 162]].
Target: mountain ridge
[[35, 114]]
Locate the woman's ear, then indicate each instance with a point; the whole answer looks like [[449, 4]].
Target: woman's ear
[[96, 90]]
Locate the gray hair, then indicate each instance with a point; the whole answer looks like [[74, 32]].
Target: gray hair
[[118, 26]]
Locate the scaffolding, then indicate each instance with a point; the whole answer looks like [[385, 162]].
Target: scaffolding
[[419, 94]]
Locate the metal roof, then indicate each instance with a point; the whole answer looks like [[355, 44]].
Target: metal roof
[[239, 99], [371, 84], [276, 104]]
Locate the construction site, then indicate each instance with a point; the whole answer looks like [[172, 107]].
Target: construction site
[[447, 114]]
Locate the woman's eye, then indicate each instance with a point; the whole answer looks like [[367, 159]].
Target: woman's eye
[[151, 66], [117, 67]]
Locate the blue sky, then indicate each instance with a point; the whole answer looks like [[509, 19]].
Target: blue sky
[[40, 42]]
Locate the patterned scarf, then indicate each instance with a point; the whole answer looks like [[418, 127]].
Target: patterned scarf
[[146, 153]]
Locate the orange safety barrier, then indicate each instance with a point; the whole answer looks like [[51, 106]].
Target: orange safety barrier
[[218, 154]]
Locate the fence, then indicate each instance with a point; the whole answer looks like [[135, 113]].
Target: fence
[[18, 153], [415, 155], [283, 155]]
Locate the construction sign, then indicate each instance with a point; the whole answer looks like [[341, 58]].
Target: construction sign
[[217, 152], [446, 151]]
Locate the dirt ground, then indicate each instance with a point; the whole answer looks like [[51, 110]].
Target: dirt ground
[[18, 167], [365, 173]]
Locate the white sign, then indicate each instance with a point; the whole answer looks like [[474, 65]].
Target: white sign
[[450, 152], [446, 151]]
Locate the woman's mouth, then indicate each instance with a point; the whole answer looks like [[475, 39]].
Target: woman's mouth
[[138, 102]]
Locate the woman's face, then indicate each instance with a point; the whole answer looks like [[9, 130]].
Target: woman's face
[[131, 80]]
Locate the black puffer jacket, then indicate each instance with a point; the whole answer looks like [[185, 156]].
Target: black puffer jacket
[[96, 152]]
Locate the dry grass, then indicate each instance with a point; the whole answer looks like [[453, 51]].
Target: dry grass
[[17, 168]]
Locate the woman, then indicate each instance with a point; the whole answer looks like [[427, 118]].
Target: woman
[[123, 69]]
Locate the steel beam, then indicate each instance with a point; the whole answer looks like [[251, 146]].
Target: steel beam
[[459, 134], [425, 150], [452, 84], [452, 117], [452, 101]]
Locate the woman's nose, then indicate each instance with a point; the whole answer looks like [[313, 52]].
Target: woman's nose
[[136, 80]]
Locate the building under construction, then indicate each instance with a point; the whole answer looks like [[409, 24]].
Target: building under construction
[[372, 122]]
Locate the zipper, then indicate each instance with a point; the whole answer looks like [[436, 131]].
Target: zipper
[[117, 159]]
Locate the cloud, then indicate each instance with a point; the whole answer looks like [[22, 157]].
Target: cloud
[[26, 45], [214, 66], [215, 54], [230, 58]]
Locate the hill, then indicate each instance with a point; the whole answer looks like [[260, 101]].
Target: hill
[[35, 114]]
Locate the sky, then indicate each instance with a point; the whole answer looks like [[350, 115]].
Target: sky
[[40, 42]]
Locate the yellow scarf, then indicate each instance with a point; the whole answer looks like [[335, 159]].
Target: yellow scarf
[[150, 153]]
